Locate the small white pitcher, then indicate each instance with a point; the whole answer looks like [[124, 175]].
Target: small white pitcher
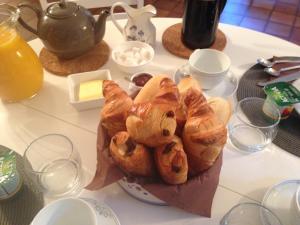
[[139, 26]]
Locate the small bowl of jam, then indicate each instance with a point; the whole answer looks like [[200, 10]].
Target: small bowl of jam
[[138, 81]]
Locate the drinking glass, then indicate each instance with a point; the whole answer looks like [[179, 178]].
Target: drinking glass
[[250, 214], [254, 124], [55, 165]]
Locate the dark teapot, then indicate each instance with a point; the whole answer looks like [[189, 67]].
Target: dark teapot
[[200, 22], [66, 29]]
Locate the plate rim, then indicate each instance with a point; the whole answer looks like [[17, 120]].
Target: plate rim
[[269, 191], [92, 201]]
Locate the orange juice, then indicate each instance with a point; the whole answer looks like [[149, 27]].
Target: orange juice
[[21, 73]]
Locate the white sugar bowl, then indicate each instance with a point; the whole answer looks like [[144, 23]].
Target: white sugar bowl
[[132, 56]]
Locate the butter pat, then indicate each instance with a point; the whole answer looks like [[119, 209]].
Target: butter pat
[[90, 90]]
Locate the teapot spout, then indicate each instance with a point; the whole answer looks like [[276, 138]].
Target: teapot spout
[[100, 25]]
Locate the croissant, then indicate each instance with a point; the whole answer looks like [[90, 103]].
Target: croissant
[[204, 135], [153, 123], [116, 108], [171, 162], [133, 158], [184, 85]]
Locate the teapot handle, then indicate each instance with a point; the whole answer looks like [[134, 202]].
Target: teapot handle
[[121, 4], [23, 23]]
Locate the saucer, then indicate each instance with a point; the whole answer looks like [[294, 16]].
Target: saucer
[[105, 215], [296, 83], [226, 88], [279, 199]]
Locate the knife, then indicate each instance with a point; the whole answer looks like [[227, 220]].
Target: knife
[[291, 77]]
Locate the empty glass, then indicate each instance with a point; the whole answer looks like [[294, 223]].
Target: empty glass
[[254, 124], [250, 214], [55, 164]]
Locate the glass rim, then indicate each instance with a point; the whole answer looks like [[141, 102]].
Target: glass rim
[[12, 13], [254, 204], [247, 122], [39, 138]]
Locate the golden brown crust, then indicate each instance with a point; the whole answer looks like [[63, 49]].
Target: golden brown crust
[[153, 123], [204, 135], [116, 108], [187, 83], [171, 162], [132, 158], [149, 91], [221, 107]]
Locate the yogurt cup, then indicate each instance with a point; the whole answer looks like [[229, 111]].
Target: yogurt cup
[[284, 96]]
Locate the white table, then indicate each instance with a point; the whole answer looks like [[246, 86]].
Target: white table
[[243, 177]]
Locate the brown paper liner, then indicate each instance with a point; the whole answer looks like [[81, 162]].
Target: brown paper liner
[[195, 196]]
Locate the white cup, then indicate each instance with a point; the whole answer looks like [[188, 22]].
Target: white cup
[[66, 211], [207, 66]]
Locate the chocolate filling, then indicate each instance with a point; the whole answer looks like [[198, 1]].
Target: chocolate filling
[[130, 146], [165, 132], [170, 114], [169, 147], [176, 169]]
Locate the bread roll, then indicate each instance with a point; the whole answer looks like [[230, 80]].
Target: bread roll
[[221, 107], [132, 158], [171, 162]]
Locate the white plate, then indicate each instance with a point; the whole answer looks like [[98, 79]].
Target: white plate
[[105, 214], [280, 199], [296, 83]]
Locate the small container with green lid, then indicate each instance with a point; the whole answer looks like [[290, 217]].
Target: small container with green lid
[[284, 96], [10, 181]]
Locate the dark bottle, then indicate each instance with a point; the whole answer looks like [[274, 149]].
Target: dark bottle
[[200, 22]]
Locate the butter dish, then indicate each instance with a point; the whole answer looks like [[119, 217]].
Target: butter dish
[[76, 81]]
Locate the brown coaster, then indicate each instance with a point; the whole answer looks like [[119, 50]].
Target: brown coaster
[[171, 40], [90, 61]]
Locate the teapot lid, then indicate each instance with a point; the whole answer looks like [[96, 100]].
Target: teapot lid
[[62, 9]]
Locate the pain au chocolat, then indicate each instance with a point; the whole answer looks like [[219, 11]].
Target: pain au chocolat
[[153, 122], [133, 158], [171, 162]]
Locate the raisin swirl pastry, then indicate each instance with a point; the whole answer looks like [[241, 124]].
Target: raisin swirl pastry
[[171, 162], [132, 158]]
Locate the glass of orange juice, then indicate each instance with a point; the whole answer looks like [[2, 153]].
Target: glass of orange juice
[[21, 73]]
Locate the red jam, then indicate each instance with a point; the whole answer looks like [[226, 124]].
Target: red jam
[[141, 79]]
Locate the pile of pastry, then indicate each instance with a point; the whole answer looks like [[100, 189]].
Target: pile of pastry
[[168, 129]]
